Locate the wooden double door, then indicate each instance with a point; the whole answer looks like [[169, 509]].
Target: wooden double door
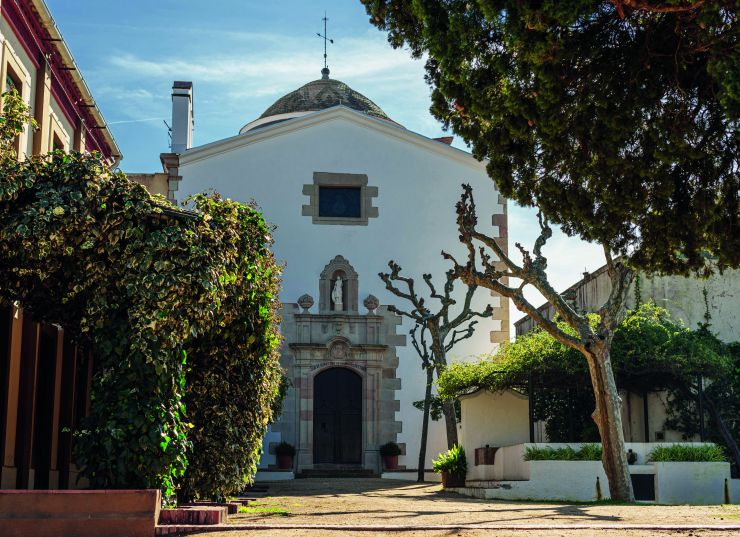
[[337, 417]]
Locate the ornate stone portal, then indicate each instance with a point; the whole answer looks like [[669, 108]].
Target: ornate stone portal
[[343, 404]]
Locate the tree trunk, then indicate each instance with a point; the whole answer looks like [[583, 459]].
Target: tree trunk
[[608, 418], [425, 425], [448, 409], [448, 406], [724, 431]]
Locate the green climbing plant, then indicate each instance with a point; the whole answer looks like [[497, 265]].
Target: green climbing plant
[[651, 352], [179, 309]]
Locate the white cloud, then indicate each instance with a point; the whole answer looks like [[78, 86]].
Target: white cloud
[[234, 88]]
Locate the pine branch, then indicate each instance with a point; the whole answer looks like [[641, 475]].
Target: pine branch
[[623, 6]]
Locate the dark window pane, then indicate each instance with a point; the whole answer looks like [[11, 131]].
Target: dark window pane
[[12, 82], [339, 202]]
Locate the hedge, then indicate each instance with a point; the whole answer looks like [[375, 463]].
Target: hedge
[[179, 309]]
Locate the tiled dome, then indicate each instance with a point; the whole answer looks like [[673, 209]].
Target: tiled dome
[[321, 94]]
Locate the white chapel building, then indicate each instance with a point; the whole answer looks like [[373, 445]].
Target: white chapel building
[[348, 189]]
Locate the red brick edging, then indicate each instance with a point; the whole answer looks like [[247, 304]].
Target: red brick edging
[[168, 530]]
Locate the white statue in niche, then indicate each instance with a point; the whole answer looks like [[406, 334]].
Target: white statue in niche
[[336, 294]]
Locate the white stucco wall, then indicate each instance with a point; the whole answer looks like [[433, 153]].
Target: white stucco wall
[[495, 420], [418, 188], [682, 296]]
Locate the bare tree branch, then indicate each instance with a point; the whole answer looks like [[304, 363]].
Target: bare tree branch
[[621, 277], [459, 335], [531, 272], [420, 344], [437, 325]]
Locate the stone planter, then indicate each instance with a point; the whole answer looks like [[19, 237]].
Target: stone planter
[[698, 483], [390, 462], [452, 480], [79, 513], [285, 462]]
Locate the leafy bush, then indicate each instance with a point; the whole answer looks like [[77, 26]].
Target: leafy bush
[[179, 309], [650, 352], [588, 452], [390, 449], [452, 461], [283, 448], [684, 453]]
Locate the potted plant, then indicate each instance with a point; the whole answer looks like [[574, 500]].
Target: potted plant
[[453, 466], [285, 453], [390, 453]]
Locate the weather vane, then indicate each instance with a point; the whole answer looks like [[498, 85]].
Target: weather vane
[[325, 70]]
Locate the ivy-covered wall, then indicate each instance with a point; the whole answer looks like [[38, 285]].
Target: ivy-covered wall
[[178, 307]]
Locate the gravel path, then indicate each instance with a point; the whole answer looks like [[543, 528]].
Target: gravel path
[[383, 502]]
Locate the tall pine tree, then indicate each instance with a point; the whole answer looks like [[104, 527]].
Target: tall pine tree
[[617, 119]]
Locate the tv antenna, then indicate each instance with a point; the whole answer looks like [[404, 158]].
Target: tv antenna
[[325, 70]]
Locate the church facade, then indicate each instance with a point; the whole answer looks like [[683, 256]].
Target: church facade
[[348, 189]]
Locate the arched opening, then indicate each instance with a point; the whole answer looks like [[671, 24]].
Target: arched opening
[[337, 417]]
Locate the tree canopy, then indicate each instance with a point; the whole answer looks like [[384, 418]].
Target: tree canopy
[[178, 309], [617, 118]]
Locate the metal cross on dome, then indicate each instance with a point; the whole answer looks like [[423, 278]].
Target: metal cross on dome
[[325, 70]]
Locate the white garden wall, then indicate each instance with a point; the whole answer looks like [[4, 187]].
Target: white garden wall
[[513, 478]]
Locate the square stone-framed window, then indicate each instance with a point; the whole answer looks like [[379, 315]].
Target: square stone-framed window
[[340, 199]]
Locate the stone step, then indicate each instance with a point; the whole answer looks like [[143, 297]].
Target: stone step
[[324, 473]]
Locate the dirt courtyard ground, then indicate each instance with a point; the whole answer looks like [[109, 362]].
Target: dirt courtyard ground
[[393, 503]]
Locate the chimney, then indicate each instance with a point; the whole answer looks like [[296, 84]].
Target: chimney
[[182, 116]]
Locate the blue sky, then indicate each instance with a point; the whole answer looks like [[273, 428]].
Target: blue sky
[[241, 56]]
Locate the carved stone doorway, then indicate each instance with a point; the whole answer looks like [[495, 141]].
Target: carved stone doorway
[[337, 417]]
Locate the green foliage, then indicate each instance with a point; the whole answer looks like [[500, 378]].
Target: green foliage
[[536, 352], [263, 510], [389, 449], [587, 452], [650, 351], [723, 390], [277, 404], [178, 309], [619, 128], [452, 461], [283, 448], [683, 453], [14, 119], [435, 407]]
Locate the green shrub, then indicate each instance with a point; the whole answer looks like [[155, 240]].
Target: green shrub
[[179, 309], [452, 461], [588, 452], [283, 448], [683, 453], [390, 449]]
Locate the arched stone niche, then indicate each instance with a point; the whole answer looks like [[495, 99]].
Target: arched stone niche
[[338, 267]]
